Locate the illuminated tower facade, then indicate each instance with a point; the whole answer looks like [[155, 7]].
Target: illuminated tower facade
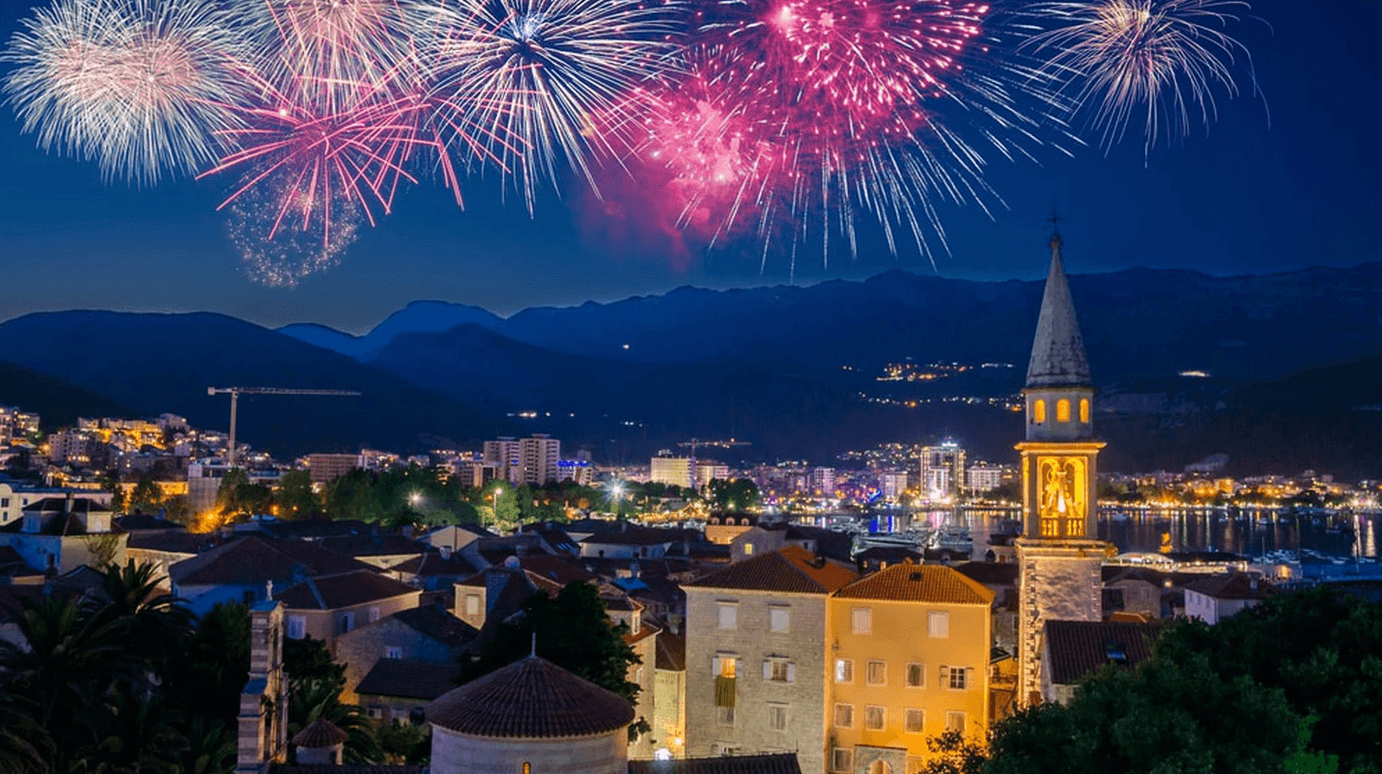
[[1059, 554]]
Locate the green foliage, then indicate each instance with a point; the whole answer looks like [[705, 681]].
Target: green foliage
[[146, 497], [208, 679], [574, 632], [295, 497], [118, 501], [404, 743], [952, 753], [238, 498], [321, 698], [309, 660], [737, 495]]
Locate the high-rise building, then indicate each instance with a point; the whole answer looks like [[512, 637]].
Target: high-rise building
[[503, 454], [707, 471], [673, 471], [1059, 554], [892, 484], [537, 460], [823, 481], [328, 467], [942, 471], [980, 478]]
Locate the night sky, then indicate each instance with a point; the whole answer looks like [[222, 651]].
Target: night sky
[[1255, 195]]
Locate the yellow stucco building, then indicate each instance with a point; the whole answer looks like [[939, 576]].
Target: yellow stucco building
[[908, 652]]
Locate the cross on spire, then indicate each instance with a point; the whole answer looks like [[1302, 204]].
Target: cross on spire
[[1055, 220]]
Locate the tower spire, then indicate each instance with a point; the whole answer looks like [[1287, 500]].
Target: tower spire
[[1058, 357]]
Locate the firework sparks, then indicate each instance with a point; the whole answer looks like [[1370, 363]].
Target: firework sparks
[[140, 86], [1163, 59], [283, 258]]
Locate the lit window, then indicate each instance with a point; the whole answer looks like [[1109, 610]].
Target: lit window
[[916, 675], [777, 717], [1062, 410], [778, 619], [915, 720], [729, 616], [844, 670], [725, 667], [844, 716], [955, 678], [955, 721], [472, 604], [748, 549], [874, 718], [393, 652], [938, 624], [841, 760], [373, 614], [297, 627], [878, 673], [1084, 410], [1039, 411], [527, 768], [862, 620]]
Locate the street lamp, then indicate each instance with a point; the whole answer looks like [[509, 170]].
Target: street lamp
[[498, 492]]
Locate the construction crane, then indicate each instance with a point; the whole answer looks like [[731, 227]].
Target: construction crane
[[694, 442], [236, 392]]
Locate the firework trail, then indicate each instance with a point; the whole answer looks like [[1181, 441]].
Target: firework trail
[[1161, 59], [528, 80], [140, 86]]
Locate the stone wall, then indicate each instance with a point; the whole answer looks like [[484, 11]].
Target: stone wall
[[454, 753]]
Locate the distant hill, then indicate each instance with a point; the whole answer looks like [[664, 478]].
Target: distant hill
[[56, 402], [417, 317], [1138, 324], [151, 363]]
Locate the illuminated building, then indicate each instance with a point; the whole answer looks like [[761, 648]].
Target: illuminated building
[[823, 481], [537, 459], [707, 471], [329, 467], [504, 456], [673, 471], [909, 650], [942, 471], [891, 485], [982, 478], [1059, 555]]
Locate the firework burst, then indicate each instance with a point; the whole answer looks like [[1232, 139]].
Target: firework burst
[[142, 87], [1161, 59]]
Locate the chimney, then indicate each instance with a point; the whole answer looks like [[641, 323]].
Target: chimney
[[67, 506], [446, 553]]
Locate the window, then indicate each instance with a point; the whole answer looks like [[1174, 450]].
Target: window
[[247, 597], [1084, 410], [938, 624], [376, 713], [725, 749], [345, 623], [4, 502], [725, 666], [955, 678], [844, 716], [955, 721], [841, 759], [916, 764], [748, 549], [779, 670], [778, 619], [877, 673], [915, 720], [861, 621], [916, 675], [844, 670], [1039, 411], [1062, 410], [297, 627], [729, 615], [393, 652], [373, 614], [874, 718], [880, 766], [724, 716], [527, 768], [777, 717], [472, 604]]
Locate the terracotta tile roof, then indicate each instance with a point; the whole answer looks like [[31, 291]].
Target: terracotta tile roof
[[431, 621], [333, 592], [990, 573], [555, 568], [773, 763], [306, 529], [671, 651], [254, 559], [409, 679], [431, 565], [320, 733], [531, 698], [633, 535], [1077, 648], [143, 521], [1233, 586], [373, 545], [790, 570], [918, 583]]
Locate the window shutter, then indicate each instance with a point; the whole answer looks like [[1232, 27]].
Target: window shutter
[[791, 672], [969, 678], [715, 665], [767, 669], [945, 677]]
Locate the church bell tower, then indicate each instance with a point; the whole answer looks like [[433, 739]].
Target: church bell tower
[[1059, 554]]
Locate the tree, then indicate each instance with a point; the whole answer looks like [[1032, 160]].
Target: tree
[[737, 495], [309, 660], [146, 496], [118, 501], [208, 679], [574, 632], [295, 497], [316, 698]]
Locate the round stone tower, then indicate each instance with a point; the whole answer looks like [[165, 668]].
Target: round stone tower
[[531, 717]]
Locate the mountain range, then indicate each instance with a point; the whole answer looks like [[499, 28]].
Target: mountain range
[[1189, 364]]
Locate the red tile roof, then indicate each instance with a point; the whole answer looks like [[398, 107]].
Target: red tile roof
[[531, 698], [255, 559], [790, 570], [1077, 648], [333, 592], [320, 733], [918, 583], [1232, 586], [409, 679]]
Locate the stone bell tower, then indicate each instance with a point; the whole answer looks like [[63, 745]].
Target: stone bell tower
[[1059, 554]]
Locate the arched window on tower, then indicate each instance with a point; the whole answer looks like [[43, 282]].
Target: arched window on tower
[[1062, 410], [527, 768], [1084, 410], [1039, 412]]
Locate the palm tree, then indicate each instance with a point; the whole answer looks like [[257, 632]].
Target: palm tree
[[312, 699]]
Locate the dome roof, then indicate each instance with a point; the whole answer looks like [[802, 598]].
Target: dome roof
[[320, 733], [530, 699]]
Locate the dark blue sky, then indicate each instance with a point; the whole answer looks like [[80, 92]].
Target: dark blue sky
[[1248, 198]]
